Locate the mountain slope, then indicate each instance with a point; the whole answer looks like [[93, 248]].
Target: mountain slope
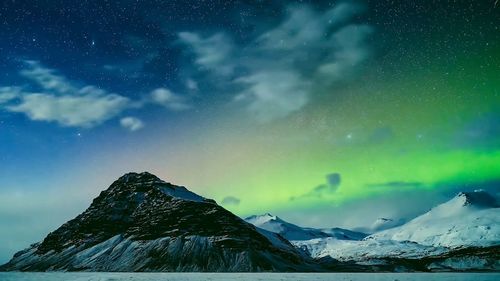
[[383, 224], [294, 232], [459, 235], [470, 219], [141, 223], [366, 250]]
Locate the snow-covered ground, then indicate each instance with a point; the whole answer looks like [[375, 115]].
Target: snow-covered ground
[[345, 250], [17, 276]]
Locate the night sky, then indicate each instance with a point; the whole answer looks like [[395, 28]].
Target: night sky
[[326, 113]]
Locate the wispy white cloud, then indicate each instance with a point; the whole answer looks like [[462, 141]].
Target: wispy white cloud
[[47, 78], [73, 104], [131, 123], [305, 28], [86, 110], [273, 94], [278, 72], [213, 53], [166, 98], [9, 93], [61, 101]]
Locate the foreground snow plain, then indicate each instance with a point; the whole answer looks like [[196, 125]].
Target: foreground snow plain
[[82, 276]]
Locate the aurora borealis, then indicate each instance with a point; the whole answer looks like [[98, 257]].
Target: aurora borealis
[[252, 103]]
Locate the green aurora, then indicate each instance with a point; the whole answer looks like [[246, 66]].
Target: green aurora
[[410, 129]]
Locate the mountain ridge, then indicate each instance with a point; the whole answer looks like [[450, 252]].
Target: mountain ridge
[[468, 219], [293, 232], [141, 223], [390, 253]]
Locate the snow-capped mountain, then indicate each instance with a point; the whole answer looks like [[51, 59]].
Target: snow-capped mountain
[[294, 232], [461, 234], [366, 250], [470, 219], [141, 223], [383, 224], [288, 230]]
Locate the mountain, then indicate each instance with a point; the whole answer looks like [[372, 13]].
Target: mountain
[[366, 250], [470, 219], [141, 223], [340, 244], [459, 235], [383, 224], [294, 232]]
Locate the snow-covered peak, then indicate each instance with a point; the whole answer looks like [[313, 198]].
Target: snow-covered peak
[[469, 219], [143, 182], [270, 223], [477, 198], [383, 224], [344, 234], [463, 202], [294, 232], [262, 219], [180, 192]]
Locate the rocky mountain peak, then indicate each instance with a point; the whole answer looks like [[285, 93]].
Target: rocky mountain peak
[[142, 223], [477, 198], [141, 184], [134, 177]]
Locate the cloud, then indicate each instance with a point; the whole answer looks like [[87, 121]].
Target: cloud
[[305, 26], [212, 53], [60, 100], [165, 97], [131, 123], [47, 78], [88, 108], [330, 187], [333, 180], [72, 104], [230, 200], [271, 95], [9, 93], [351, 51], [192, 85], [278, 71]]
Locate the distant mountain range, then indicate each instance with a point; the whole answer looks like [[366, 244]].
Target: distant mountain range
[[293, 232], [461, 234], [141, 223]]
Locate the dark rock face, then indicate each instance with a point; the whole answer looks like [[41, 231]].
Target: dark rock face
[[479, 199], [141, 223]]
